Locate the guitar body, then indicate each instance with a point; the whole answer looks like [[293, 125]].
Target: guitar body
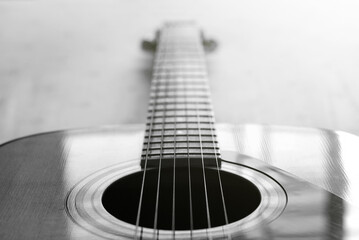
[[181, 176], [314, 168]]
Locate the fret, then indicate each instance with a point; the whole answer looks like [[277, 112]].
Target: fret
[[177, 52], [190, 128], [179, 155], [194, 70], [184, 132], [181, 126], [177, 110], [178, 56], [178, 49], [178, 81], [180, 96], [170, 113], [171, 76], [180, 85], [156, 124], [177, 86], [194, 119], [179, 101], [170, 45], [181, 160], [175, 67], [171, 151], [183, 145], [179, 141], [184, 78], [170, 80], [180, 73], [181, 138], [173, 92], [181, 151], [175, 147], [180, 61], [180, 130], [184, 116], [181, 113], [182, 44], [173, 107], [187, 99], [164, 94], [180, 106], [171, 40], [179, 64]]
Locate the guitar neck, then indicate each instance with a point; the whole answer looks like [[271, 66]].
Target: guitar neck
[[180, 122]]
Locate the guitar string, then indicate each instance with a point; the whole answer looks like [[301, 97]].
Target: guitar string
[[161, 148], [189, 166], [146, 157], [202, 161], [174, 172], [237, 143], [174, 175], [203, 170], [217, 168], [220, 185]]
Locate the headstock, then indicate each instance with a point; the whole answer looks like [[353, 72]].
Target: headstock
[[209, 44]]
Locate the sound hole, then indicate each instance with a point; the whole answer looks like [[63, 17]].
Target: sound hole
[[121, 199]]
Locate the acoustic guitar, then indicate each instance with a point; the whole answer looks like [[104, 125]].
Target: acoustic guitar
[[181, 176]]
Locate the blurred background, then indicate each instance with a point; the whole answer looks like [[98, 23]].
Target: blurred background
[[69, 64]]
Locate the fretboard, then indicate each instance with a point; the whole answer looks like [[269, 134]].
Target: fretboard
[[180, 122]]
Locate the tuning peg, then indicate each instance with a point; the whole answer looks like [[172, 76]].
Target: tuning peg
[[149, 45], [210, 45]]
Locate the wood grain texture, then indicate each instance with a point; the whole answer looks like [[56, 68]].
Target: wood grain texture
[[66, 64]]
